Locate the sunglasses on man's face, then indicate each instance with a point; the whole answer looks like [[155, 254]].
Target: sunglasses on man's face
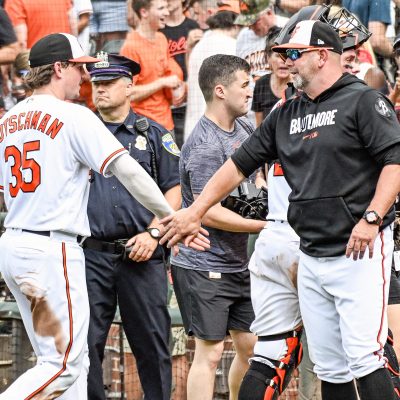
[[295, 54]]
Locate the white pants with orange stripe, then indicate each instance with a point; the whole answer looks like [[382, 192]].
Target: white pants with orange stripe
[[343, 304], [47, 277]]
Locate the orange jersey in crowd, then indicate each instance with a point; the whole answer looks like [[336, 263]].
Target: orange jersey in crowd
[[155, 62], [41, 17]]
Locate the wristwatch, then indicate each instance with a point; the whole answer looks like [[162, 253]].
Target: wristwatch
[[372, 217], [154, 232]]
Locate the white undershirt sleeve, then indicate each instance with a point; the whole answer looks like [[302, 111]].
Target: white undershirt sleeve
[[140, 185]]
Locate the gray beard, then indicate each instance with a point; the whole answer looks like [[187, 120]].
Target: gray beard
[[299, 82]]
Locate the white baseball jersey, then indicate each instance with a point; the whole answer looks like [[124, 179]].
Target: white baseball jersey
[[46, 149], [278, 193]]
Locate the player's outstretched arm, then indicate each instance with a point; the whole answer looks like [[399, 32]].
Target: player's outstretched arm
[[141, 186], [185, 224]]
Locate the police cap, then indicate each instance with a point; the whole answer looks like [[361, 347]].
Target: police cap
[[112, 66]]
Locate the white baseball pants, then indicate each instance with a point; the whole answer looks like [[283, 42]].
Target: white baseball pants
[[47, 277], [343, 304]]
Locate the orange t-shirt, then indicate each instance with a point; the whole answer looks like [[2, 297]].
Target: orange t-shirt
[[41, 17], [155, 62]]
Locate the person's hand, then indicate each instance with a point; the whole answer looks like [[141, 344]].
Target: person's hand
[[143, 246], [184, 225], [362, 236], [179, 94], [171, 81], [193, 37]]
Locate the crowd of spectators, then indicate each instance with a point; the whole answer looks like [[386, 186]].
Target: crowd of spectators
[[170, 39]]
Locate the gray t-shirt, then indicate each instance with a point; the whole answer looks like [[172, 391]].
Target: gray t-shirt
[[203, 153]]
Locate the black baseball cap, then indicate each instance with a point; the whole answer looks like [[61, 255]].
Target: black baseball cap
[[57, 47], [312, 34], [112, 66]]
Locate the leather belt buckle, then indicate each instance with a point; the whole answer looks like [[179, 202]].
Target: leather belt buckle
[[119, 246]]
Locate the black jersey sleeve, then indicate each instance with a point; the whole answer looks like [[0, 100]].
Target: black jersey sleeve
[[259, 148], [389, 156], [377, 122]]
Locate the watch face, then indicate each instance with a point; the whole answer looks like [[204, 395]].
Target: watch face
[[154, 232], [371, 217]]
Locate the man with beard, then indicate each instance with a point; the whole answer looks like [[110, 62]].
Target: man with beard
[[339, 146]]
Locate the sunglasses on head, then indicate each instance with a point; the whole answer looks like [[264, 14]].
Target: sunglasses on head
[[295, 54]]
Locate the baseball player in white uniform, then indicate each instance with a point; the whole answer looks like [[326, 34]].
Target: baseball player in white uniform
[[46, 149]]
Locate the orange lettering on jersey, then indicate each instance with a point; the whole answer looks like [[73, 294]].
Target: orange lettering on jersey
[[20, 126], [278, 171], [35, 119], [43, 123], [12, 124], [28, 119], [54, 128]]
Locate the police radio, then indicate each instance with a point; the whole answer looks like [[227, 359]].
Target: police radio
[[142, 127]]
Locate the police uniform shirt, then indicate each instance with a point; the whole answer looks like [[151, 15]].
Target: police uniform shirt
[[113, 213]]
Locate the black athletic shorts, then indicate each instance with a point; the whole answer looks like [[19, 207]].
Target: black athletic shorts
[[211, 305], [394, 288]]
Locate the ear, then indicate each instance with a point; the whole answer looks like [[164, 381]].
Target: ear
[[128, 89], [57, 69], [143, 13], [219, 91], [323, 57]]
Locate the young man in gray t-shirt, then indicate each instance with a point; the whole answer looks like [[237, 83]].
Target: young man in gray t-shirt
[[213, 288]]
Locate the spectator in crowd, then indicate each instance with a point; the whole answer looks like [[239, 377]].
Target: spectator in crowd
[[394, 95], [269, 88], [213, 288], [9, 47], [33, 19], [220, 39], [160, 74], [258, 18], [20, 68], [83, 9], [177, 29], [108, 25], [137, 279], [199, 12], [8, 41], [375, 15]]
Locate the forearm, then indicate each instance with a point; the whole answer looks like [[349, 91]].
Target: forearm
[[293, 6], [8, 53], [140, 185], [218, 187], [219, 217], [22, 35], [141, 92], [379, 42], [174, 199], [386, 190]]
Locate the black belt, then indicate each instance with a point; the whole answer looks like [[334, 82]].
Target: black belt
[[277, 220], [47, 233], [115, 247]]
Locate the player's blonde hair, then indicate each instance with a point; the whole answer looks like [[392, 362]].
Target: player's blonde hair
[[41, 76]]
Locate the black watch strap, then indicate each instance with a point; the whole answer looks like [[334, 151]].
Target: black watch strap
[[372, 217]]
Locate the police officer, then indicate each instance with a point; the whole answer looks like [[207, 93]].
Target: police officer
[[135, 279]]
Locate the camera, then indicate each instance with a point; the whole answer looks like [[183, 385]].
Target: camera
[[248, 201]]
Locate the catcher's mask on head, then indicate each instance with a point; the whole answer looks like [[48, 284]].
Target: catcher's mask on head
[[350, 29]]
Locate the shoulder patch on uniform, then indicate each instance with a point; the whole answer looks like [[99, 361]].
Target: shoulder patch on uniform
[[382, 107], [170, 145]]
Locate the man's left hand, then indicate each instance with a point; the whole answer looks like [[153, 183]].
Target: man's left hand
[[362, 236], [143, 246]]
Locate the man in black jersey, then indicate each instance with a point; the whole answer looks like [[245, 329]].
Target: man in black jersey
[[339, 145]]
